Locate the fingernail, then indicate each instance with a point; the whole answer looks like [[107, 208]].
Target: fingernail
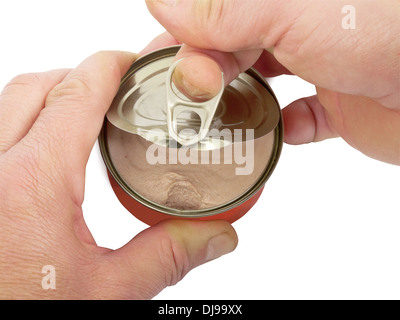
[[220, 245], [192, 91], [198, 78]]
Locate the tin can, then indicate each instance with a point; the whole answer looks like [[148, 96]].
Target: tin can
[[221, 177]]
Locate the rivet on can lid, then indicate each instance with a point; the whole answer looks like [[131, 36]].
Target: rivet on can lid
[[177, 106]]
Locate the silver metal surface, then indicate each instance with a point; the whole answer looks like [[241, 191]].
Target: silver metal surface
[[140, 106], [177, 106]]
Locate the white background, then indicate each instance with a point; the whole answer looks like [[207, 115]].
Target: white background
[[327, 225]]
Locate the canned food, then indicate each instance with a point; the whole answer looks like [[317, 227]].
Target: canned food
[[220, 177]]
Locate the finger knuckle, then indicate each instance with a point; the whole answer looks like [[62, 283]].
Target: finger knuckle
[[75, 89], [174, 261], [22, 81], [210, 14]]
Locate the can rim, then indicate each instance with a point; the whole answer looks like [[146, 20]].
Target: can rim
[[275, 155]]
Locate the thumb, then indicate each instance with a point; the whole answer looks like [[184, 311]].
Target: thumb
[[217, 36], [224, 25], [163, 254], [308, 38]]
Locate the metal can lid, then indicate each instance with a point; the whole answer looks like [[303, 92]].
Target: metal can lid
[[178, 109], [186, 181], [140, 105]]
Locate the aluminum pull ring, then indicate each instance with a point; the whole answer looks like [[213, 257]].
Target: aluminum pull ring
[[176, 106]]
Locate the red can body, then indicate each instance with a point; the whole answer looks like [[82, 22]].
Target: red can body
[[258, 101], [152, 217]]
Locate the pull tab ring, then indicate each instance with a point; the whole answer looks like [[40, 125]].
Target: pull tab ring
[[176, 106]]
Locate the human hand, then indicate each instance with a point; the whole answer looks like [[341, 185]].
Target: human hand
[[49, 123], [356, 72]]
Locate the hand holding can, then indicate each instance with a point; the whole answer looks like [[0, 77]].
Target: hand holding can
[[42, 175]]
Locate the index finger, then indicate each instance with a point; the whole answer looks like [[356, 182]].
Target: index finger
[[199, 75], [74, 110]]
